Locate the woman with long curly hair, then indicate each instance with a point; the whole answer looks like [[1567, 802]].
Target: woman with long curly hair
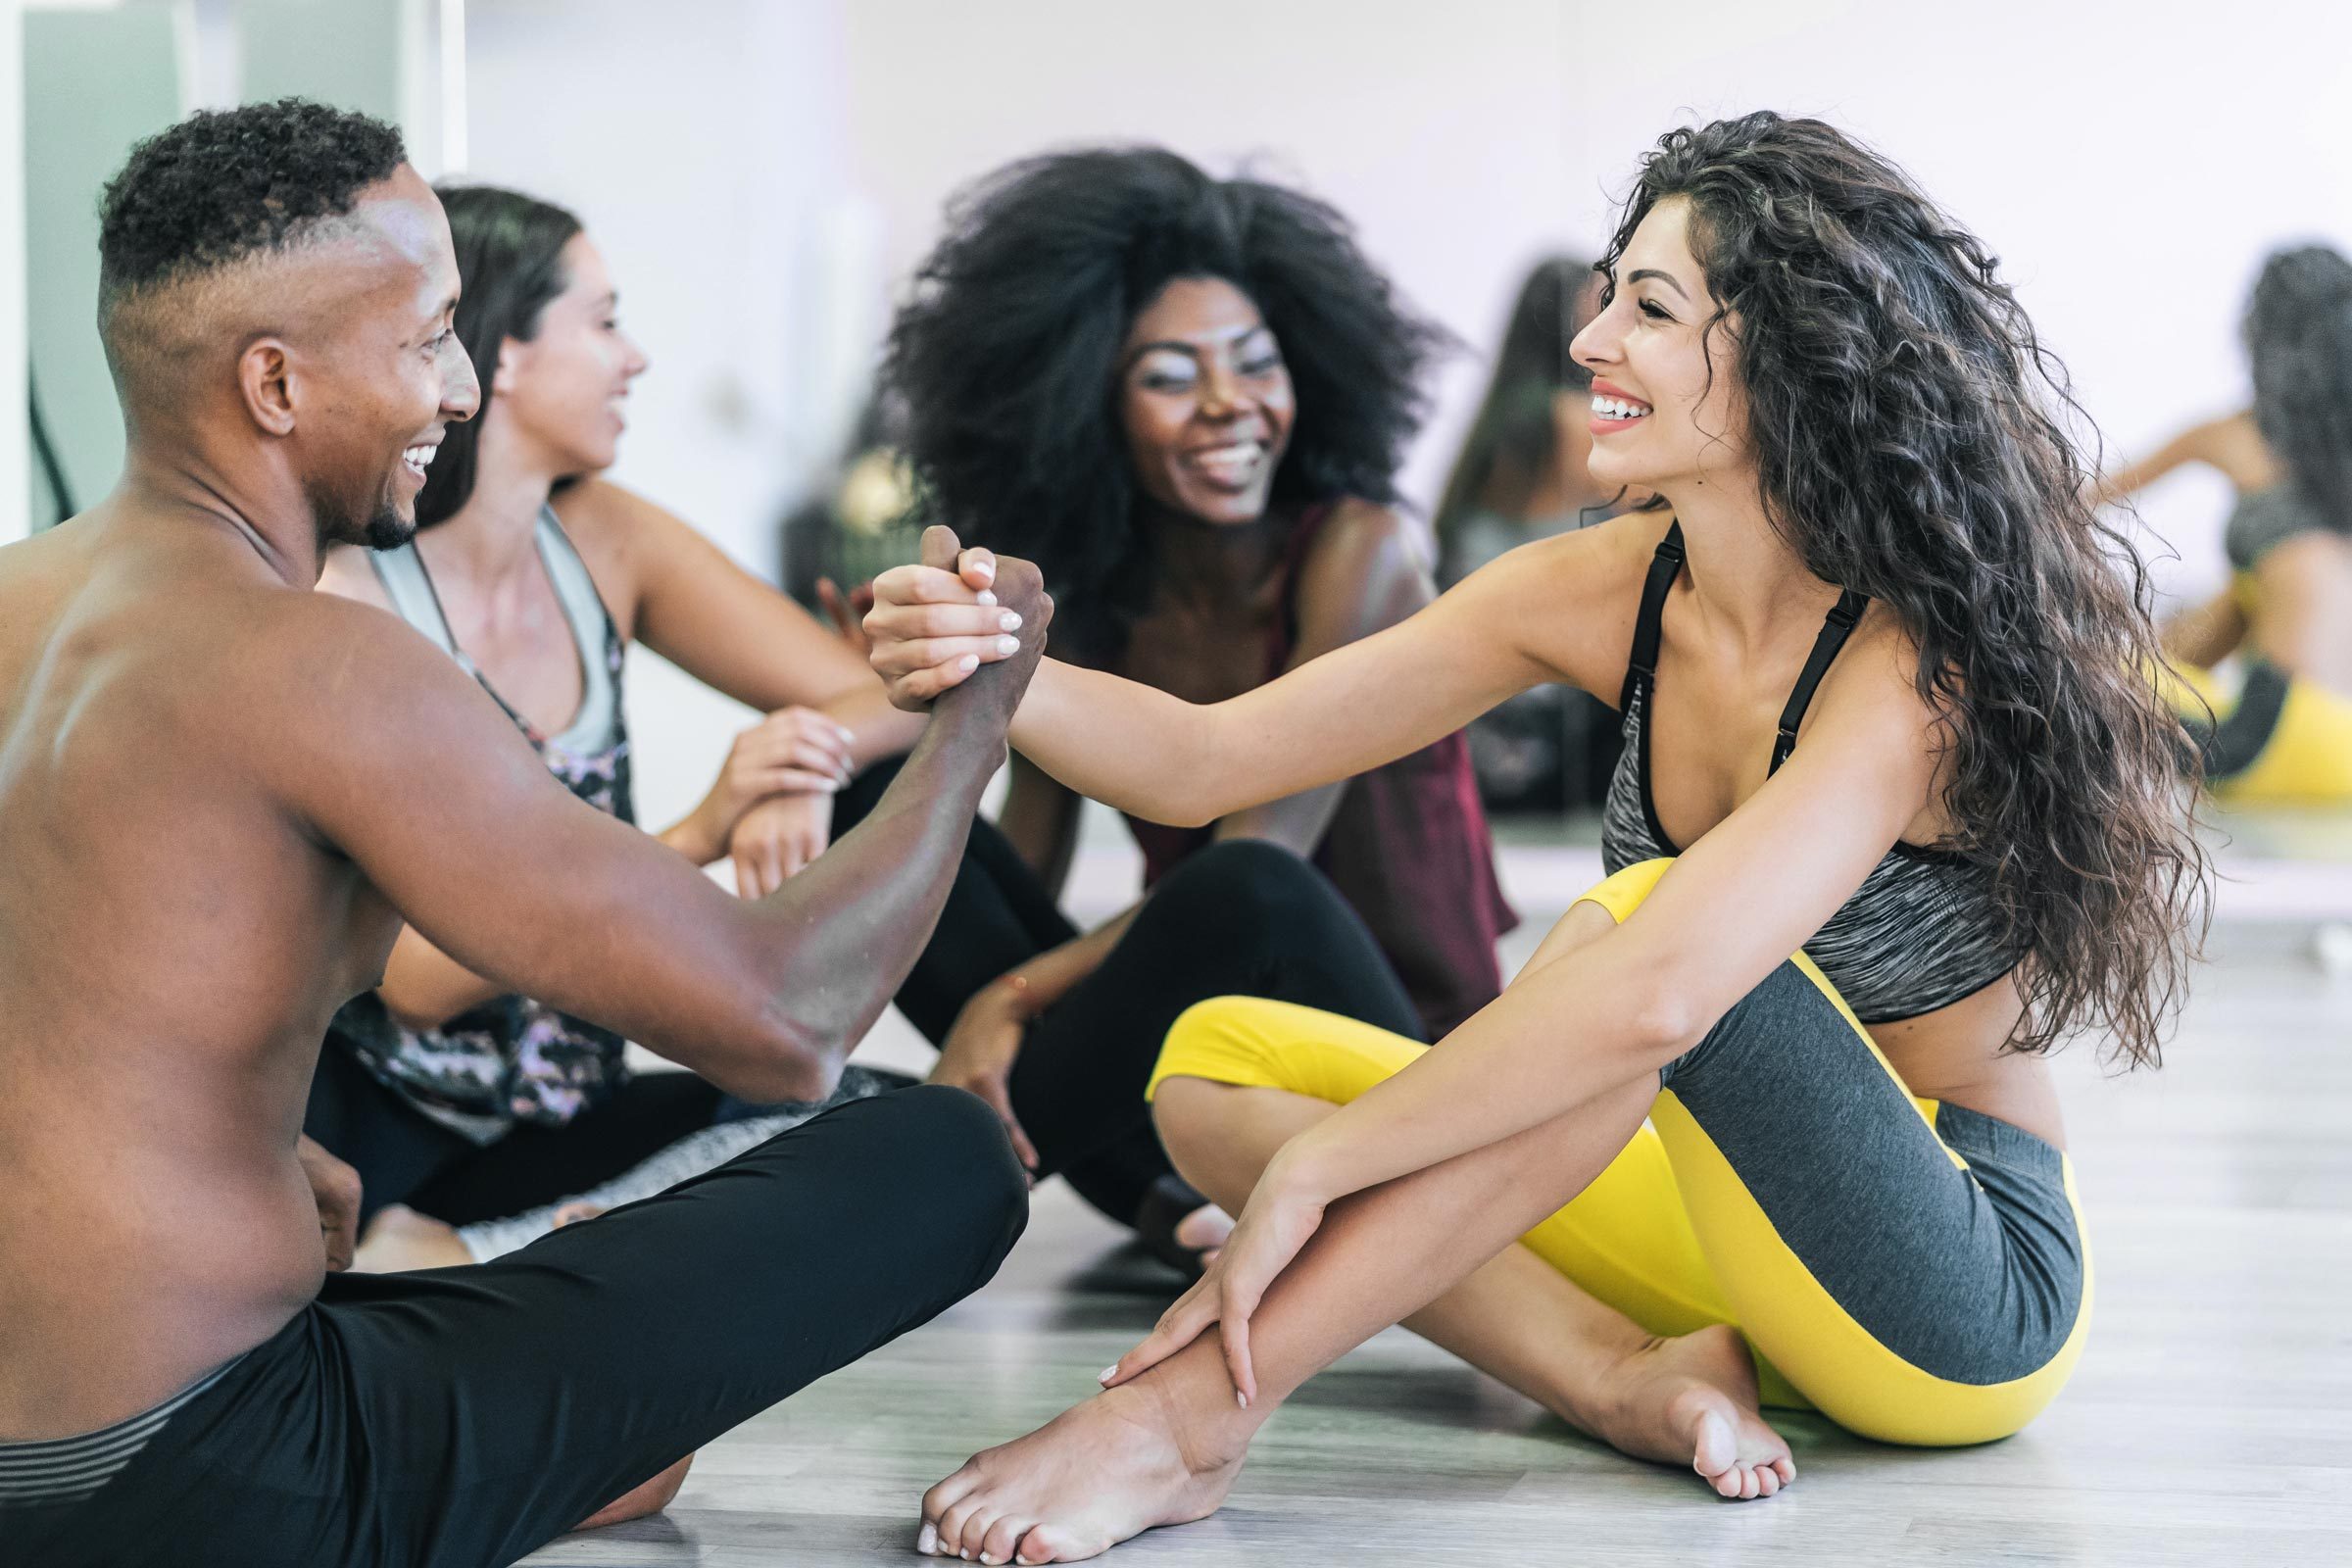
[[2284, 733], [1185, 397], [1767, 1117]]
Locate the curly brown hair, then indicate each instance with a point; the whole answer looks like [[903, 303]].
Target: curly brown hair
[[1912, 438]]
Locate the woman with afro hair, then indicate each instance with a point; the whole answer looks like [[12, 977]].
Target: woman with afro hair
[[2285, 735], [1185, 398]]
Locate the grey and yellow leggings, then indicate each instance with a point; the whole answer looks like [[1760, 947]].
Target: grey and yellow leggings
[[1914, 1270]]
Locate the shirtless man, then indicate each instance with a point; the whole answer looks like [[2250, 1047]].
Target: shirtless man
[[201, 854]]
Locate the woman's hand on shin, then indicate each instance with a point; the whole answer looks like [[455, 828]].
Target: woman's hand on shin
[[978, 1055], [1276, 1224]]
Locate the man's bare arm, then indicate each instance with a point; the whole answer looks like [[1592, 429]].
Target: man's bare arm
[[392, 757]]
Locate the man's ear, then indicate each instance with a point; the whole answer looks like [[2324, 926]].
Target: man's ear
[[266, 381]]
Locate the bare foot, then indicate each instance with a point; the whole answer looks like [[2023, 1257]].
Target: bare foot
[[399, 1239], [650, 1497], [1094, 1474], [1692, 1401], [1205, 1229]]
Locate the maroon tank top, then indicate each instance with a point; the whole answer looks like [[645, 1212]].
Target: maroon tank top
[[1408, 848]]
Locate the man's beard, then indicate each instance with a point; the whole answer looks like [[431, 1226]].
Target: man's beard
[[380, 527], [389, 530]]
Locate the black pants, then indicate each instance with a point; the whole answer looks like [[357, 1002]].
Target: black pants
[[466, 1416], [1240, 918], [404, 1156]]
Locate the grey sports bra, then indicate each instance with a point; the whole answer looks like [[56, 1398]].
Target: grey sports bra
[[1923, 929], [2265, 519]]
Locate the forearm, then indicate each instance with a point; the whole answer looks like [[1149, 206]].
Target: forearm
[[877, 731], [832, 945], [1130, 746], [423, 988], [1054, 974], [692, 837], [2207, 633]]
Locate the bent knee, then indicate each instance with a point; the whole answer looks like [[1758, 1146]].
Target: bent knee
[[957, 1140]]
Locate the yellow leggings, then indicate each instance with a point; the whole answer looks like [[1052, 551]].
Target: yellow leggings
[[1955, 1237], [2295, 750]]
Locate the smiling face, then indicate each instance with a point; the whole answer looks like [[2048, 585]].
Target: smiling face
[[384, 375], [1661, 414], [562, 391], [1206, 401]]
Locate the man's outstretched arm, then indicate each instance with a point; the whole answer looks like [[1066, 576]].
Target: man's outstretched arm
[[397, 759]]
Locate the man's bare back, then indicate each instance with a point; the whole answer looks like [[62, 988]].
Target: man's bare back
[[175, 940]]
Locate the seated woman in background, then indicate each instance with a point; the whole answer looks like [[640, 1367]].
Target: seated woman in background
[[1187, 398], [1522, 476], [2285, 734], [1767, 1119], [446, 1095]]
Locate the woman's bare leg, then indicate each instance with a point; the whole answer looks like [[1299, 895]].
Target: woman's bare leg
[[1689, 1399], [1163, 1448]]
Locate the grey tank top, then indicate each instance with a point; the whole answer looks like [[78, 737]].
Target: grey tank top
[[1923, 929], [512, 1059]]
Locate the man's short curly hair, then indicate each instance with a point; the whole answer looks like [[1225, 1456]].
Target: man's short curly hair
[[224, 185], [1007, 357]]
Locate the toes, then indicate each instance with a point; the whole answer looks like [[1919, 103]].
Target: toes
[[945, 1495], [1713, 1450], [953, 1542], [1003, 1535], [1045, 1544], [1767, 1481]]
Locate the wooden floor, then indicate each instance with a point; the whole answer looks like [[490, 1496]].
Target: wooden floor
[[2210, 1422]]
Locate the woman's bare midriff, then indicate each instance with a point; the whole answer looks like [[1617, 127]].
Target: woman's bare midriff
[[1954, 1056]]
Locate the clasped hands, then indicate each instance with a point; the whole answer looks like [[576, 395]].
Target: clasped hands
[[932, 625]]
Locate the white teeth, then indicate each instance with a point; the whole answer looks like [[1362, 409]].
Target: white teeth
[[1619, 408], [420, 458]]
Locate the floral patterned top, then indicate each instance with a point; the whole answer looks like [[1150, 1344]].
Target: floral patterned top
[[511, 1060]]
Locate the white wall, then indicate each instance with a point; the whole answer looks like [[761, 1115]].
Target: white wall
[[700, 142], [2131, 166]]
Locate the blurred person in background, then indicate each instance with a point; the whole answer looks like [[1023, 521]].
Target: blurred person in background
[[1521, 475], [1186, 399], [2283, 734], [457, 1102]]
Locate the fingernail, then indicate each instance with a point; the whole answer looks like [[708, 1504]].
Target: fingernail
[[986, 598], [1009, 645], [1107, 1373], [968, 662], [1010, 620], [928, 1541]]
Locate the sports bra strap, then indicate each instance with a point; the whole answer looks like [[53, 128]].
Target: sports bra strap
[[1834, 632], [1664, 568]]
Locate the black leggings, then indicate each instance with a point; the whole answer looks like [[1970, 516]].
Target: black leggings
[[404, 1156], [465, 1416], [1239, 919]]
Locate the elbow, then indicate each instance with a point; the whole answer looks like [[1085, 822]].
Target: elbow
[[1665, 1014], [785, 1058]]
